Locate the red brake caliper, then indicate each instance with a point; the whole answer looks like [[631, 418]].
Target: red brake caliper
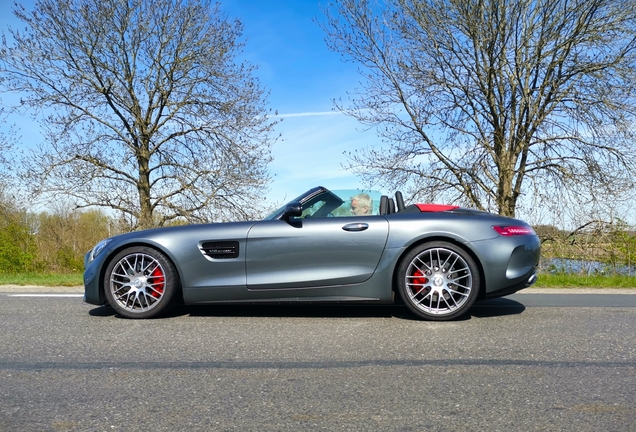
[[418, 280], [158, 282]]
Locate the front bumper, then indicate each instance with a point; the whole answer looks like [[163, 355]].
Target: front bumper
[[92, 293]]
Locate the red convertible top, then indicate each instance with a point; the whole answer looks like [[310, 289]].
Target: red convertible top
[[435, 207]]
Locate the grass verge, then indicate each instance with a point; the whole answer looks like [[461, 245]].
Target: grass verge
[[566, 280], [49, 279]]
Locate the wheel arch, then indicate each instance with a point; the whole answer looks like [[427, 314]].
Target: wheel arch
[[463, 246], [113, 252]]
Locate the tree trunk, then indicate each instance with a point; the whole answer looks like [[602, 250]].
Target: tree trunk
[[145, 219]]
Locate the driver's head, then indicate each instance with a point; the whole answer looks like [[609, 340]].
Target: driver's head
[[361, 205]]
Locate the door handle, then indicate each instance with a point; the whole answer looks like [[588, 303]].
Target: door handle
[[355, 227]]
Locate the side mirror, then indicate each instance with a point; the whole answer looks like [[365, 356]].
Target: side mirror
[[293, 209]]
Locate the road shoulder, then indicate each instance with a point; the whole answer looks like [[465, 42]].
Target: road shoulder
[[40, 289]]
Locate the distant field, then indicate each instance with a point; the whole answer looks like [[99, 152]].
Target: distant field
[[546, 280]]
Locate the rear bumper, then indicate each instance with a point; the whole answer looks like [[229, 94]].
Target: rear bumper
[[526, 282], [509, 264]]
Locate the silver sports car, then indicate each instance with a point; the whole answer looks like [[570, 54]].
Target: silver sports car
[[324, 246]]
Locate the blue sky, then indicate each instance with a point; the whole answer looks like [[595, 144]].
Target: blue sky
[[303, 78]]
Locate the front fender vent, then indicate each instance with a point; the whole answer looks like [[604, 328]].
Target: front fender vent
[[220, 250]]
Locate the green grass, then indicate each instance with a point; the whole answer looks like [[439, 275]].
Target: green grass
[[564, 280], [546, 280], [49, 279]]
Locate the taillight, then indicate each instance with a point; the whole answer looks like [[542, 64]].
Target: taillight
[[510, 231]]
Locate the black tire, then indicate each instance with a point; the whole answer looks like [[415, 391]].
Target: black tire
[[140, 282], [438, 281]]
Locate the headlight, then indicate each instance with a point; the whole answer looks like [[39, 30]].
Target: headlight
[[98, 248]]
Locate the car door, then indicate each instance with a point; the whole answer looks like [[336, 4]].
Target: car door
[[314, 252]]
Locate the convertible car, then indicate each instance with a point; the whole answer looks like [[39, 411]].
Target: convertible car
[[324, 246]]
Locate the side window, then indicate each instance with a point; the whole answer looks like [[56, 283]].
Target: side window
[[343, 210], [312, 209], [321, 206]]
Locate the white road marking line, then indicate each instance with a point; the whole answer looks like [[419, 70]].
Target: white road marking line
[[46, 295]]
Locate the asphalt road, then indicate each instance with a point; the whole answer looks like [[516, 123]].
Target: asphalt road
[[523, 363]]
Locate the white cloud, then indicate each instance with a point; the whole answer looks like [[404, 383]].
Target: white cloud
[[308, 114]]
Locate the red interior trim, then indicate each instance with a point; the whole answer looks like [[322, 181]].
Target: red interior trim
[[435, 207]]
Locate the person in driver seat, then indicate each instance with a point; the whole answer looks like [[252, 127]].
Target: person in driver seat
[[361, 205]]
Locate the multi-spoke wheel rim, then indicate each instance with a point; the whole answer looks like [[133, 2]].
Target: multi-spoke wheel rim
[[438, 281], [138, 282]]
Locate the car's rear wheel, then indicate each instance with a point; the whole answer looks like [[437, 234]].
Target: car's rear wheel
[[140, 282], [438, 281]]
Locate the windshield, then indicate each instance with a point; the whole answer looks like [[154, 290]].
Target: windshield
[[321, 202]]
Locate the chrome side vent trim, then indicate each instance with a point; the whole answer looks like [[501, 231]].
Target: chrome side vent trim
[[220, 250]]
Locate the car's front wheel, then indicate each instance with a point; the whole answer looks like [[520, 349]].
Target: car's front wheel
[[438, 281], [140, 282]]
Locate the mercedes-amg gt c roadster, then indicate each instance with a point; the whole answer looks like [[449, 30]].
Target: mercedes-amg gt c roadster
[[324, 246]]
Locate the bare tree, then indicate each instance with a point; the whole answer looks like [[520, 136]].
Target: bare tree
[[146, 109], [7, 143], [494, 103], [4, 147]]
